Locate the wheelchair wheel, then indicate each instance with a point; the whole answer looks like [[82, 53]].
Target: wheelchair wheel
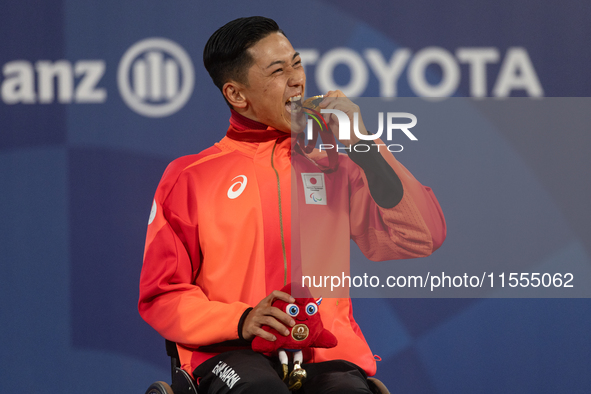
[[377, 387], [159, 388]]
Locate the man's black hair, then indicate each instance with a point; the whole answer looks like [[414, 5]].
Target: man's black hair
[[225, 55]]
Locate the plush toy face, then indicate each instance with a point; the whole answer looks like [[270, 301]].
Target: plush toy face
[[307, 332], [305, 313]]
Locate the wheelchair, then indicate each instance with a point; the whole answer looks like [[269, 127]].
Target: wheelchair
[[182, 383]]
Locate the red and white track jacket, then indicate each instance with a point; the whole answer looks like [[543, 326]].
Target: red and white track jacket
[[225, 228]]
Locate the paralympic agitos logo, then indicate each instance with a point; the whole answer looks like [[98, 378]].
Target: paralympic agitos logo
[[344, 133]]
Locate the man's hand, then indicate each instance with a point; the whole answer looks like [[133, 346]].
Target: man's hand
[[266, 315], [335, 99]]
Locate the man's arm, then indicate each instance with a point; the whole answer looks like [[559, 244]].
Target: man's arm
[[170, 301], [399, 217]]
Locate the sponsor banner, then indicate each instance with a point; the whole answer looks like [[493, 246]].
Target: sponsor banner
[[156, 77]]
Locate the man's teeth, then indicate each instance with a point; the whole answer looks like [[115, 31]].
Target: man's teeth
[[295, 98]]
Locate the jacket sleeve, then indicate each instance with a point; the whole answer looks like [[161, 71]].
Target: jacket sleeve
[[170, 301], [393, 216]]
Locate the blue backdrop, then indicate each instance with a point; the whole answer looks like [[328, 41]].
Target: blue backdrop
[[80, 158]]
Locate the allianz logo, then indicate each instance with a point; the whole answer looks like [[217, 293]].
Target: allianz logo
[[155, 78]]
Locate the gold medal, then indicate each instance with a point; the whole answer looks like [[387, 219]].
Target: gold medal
[[313, 102], [299, 332]]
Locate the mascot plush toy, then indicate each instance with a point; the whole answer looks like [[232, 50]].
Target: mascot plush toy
[[307, 332]]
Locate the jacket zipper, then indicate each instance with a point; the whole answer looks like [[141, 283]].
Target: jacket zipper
[[280, 216]]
